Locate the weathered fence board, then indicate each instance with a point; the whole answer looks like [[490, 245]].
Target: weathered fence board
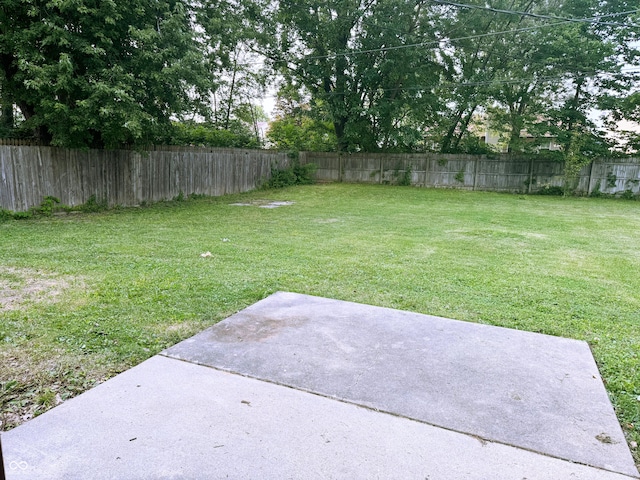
[[29, 173], [475, 172]]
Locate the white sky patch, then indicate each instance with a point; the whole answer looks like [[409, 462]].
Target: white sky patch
[[269, 103], [629, 126]]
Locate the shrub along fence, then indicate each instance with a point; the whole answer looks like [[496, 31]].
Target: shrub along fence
[[510, 173], [30, 173]]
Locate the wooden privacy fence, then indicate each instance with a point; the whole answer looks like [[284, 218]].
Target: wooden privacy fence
[[28, 174], [475, 172]]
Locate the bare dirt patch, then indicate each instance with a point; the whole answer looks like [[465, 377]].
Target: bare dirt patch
[[264, 204], [23, 285]]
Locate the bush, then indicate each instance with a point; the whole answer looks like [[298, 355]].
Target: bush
[[296, 174], [628, 195], [302, 134], [5, 215], [208, 135], [93, 206], [47, 207]]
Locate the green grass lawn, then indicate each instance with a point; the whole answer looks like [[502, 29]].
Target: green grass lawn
[[86, 296]]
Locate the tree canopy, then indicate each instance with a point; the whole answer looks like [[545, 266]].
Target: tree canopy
[[416, 75], [100, 73], [366, 75]]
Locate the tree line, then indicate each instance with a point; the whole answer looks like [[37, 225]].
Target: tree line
[[350, 75]]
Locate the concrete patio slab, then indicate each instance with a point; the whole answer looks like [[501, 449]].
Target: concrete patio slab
[[305, 387], [169, 419], [527, 390]]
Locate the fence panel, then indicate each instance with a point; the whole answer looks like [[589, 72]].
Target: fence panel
[[503, 174], [618, 176], [29, 173], [451, 171], [7, 193], [478, 172]]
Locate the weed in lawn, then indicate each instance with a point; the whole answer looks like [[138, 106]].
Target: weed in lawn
[[47, 207], [5, 215], [47, 398], [34, 378], [22, 215], [551, 190]]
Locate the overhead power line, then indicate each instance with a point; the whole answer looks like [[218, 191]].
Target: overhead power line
[[431, 42], [494, 82], [425, 44], [593, 20], [561, 21]]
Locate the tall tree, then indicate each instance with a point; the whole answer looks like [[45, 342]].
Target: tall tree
[[475, 54], [624, 119], [298, 126], [230, 32], [526, 57], [100, 73], [348, 55], [585, 57]]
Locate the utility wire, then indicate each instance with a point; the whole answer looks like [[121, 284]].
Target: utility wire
[[470, 37], [425, 44], [437, 42], [486, 83], [593, 20], [432, 42]]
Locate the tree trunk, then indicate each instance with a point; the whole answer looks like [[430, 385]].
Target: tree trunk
[[448, 138], [463, 127], [515, 142], [233, 84], [7, 120]]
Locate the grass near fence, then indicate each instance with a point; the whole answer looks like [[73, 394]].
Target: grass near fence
[[88, 295]]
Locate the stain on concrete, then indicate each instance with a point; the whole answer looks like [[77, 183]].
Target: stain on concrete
[[254, 328]]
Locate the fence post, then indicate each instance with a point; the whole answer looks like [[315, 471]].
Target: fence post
[[426, 170], [589, 187], [475, 173], [381, 171], [530, 175]]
